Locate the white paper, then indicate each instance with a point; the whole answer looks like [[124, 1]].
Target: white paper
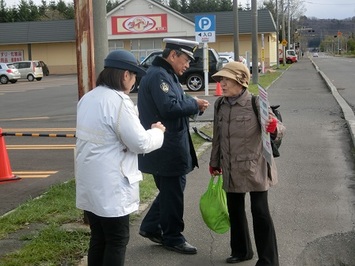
[[264, 116]]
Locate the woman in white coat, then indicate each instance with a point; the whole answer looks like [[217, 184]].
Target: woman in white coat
[[109, 137]]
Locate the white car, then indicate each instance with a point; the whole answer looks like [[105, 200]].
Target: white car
[[229, 54], [244, 61], [29, 70], [8, 72], [226, 59]]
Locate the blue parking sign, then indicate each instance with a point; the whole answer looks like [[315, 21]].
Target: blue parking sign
[[205, 28], [205, 23]]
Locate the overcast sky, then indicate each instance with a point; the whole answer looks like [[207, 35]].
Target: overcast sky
[[338, 9]]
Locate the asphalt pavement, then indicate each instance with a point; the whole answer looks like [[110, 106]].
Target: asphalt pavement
[[312, 205]]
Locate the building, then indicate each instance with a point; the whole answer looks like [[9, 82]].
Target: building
[[136, 25]]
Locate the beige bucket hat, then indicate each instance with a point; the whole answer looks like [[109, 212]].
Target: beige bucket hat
[[236, 71]]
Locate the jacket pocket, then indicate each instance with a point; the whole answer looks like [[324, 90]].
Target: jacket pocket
[[246, 165]]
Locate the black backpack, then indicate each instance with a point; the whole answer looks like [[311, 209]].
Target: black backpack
[[275, 145]]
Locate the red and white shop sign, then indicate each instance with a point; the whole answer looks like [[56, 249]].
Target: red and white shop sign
[[139, 24], [11, 56]]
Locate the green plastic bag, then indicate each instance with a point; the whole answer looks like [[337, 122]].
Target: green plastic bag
[[213, 207]]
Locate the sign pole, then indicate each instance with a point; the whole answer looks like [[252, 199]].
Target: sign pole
[[205, 66], [205, 32]]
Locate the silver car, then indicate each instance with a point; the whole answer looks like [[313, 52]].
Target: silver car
[[8, 72], [30, 70]]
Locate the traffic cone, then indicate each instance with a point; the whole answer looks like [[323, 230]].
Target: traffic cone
[[5, 167], [218, 91]]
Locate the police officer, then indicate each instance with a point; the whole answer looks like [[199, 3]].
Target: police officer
[[162, 98]]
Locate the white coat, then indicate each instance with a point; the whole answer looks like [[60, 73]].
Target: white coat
[[109, 137]]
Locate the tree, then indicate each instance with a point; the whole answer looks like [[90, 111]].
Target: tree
[[174, 4], [226, 5], [3, 11], [184, 6], [211, 6], [110, 5]]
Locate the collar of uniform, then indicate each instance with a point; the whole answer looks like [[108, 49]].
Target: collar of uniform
[[161, 62]]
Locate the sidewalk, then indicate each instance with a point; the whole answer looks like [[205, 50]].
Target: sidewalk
[[303, 210], [312, 203]]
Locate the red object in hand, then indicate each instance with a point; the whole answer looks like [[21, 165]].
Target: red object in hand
[[272, 126], [213, 170]]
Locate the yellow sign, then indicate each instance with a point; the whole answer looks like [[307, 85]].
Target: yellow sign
[[284, 42]]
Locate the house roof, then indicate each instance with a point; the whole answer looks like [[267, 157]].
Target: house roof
[[37, 32], [225, 25], [64, 30]]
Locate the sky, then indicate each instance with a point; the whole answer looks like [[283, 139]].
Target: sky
[[323, 9]]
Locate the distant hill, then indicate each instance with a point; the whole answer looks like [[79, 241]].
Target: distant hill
[[323, 28]]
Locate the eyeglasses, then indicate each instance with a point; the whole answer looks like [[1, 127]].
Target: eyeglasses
[[187, 60]]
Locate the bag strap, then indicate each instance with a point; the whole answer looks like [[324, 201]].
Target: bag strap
[[255, 108], [219, 103]]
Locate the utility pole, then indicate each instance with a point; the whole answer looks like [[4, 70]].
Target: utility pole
[[254, 44], [283, 33], [100, 35], [88, 32], [288, 25], [84, 28], [236, 30], [277, 35]]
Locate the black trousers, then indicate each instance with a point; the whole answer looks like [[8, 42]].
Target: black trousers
[[166, 213], [263, 226], [109, 239]]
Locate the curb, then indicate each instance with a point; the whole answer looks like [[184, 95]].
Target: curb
[[347, 111]]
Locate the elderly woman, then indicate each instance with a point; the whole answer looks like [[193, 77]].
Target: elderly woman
[[237, 150]]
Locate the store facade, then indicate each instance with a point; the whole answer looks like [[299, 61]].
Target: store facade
[[136, 25]]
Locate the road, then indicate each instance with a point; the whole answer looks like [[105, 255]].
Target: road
[[49, 107], [313, 202]]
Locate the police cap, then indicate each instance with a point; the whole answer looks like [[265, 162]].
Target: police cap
[[122, 59], [186, 46]]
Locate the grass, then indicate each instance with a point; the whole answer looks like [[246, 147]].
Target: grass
[[51, 243]]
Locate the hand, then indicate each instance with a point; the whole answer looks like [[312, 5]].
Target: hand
[[215, 170], [202, 104], [158, 125], [271, 125]]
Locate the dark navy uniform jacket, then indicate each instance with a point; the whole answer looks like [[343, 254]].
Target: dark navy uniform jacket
[[161, 98]]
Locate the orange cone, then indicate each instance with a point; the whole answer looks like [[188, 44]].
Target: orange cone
[[5, 167], [218, 91]]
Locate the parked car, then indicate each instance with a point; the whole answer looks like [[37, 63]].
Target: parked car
[[291, 56], [29, 69], [229, 54], [244, 61], [45, 68], [8, 72], [225, 59], [315, 54], [193, 77]]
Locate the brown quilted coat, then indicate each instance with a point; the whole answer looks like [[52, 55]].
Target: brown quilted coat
[[237, 147]]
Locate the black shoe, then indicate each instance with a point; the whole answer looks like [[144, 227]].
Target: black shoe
[[154, 237], [184, 248], [235, 259]]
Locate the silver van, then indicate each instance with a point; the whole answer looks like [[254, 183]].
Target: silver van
[[29, 69]]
